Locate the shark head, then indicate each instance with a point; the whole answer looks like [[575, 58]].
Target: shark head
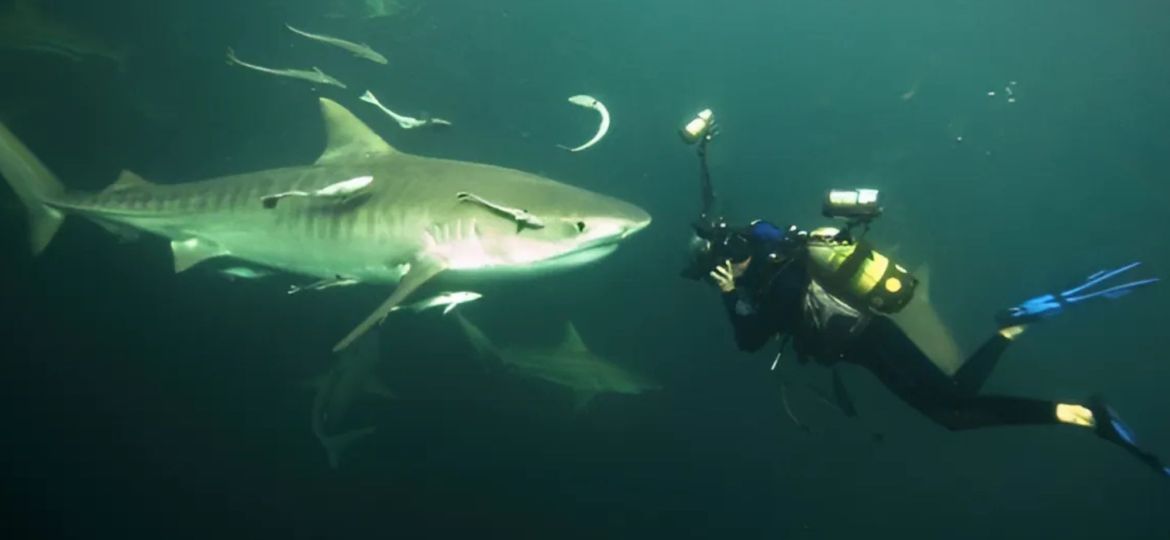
[[537, 224], [474, 217]]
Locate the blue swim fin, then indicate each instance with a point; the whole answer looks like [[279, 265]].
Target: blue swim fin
[[1111, 428], [1048, 305]]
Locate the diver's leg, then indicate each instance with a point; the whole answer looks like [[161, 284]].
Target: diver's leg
[[969, 379], [986, 411], [902, 367], [886, 351], [972, 412]]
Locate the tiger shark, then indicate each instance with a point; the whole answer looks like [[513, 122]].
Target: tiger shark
[[417, 218], [570, 364]]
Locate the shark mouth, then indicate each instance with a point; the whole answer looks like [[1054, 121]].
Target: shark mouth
[[578, 258], [566, 261]]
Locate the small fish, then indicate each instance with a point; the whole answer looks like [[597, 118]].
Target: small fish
[[313, 76], [450, 300], [341, 190], [322, 284], [405, 122], [523, 218], [361, 50], [590, 102]]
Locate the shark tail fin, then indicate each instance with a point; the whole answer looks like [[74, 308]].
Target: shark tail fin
[[35, 185], [337, 445]]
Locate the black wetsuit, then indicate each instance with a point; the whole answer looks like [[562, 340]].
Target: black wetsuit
[[768, 301]]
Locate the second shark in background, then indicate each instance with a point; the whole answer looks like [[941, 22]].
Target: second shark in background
[[570, 364], [352, 376]]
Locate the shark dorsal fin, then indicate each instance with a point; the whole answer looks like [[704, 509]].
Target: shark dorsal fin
[[347, 138], [127, 180], [572, 340]]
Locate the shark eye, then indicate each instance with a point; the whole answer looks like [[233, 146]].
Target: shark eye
[[580, 226]]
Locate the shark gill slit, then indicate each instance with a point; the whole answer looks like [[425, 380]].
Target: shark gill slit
[[217, 199], [321, 228], [239, 198], [366, 224]]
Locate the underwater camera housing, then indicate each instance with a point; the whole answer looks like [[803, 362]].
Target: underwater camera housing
[[715, 242], [712, 243]]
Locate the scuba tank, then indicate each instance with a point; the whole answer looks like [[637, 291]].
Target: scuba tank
[[855, 273]]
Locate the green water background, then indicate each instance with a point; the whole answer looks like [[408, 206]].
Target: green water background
[[137, 402]]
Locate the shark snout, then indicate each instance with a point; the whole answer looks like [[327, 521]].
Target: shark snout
[[636, 221], [635, 227]]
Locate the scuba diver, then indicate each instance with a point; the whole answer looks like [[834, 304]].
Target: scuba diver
[[830, 295]]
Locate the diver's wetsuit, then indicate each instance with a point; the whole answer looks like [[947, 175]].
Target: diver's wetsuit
[[771, 303]]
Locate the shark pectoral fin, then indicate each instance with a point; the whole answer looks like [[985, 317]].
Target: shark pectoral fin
[[582, 399], [127, 180], [337, 445], [572, 341], [347, 138], [193, 251], [418, 275]]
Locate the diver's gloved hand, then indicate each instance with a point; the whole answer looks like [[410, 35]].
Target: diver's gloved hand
[[724, 278], [1051, 304]]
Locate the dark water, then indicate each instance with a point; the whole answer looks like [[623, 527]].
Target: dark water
[[137, 403]]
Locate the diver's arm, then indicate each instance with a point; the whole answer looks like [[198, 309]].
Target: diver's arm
[[706, 191], [752, 330]]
